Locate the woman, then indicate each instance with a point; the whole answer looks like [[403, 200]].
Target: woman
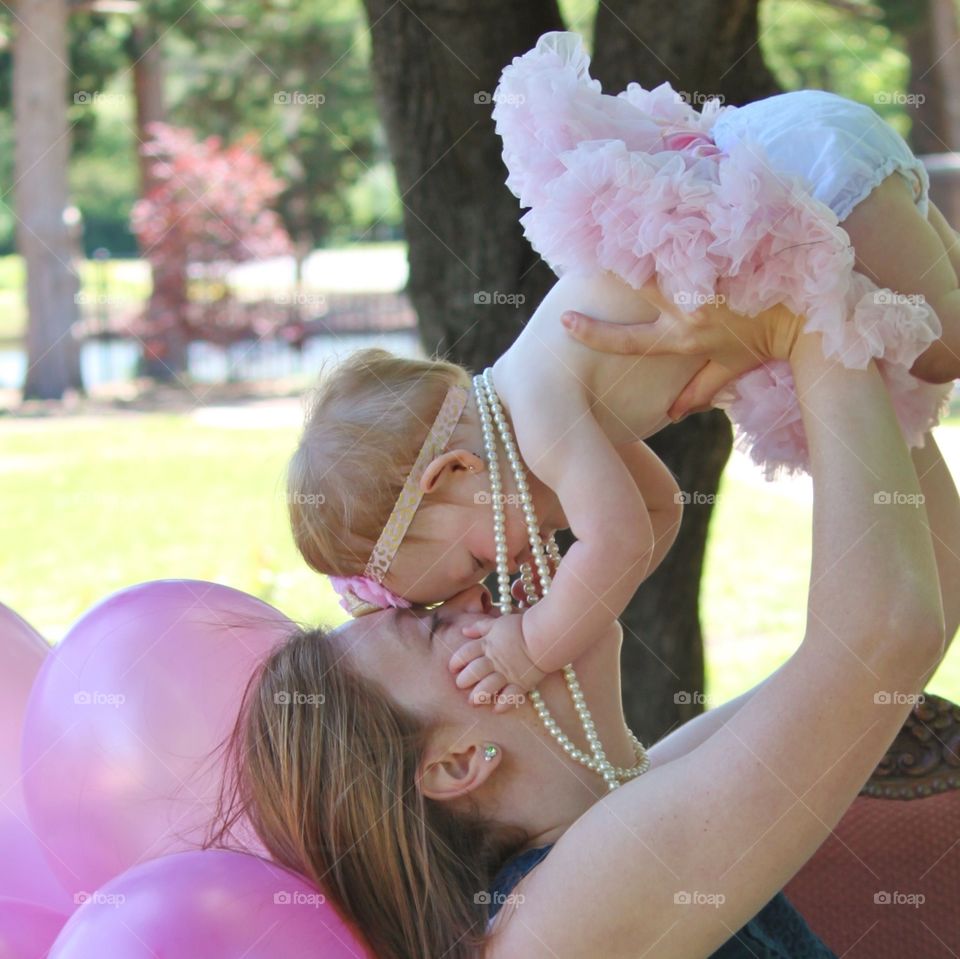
[[402, 800]]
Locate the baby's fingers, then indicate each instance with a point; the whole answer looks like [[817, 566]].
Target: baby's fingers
[[465, 654], [480, 628], [474, 672]]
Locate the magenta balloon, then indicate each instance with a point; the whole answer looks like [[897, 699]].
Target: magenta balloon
[[27, 931], [215, 904], [24, 871], [22, 652], [124, 719]]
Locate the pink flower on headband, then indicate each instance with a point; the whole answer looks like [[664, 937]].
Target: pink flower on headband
[[366, 590]]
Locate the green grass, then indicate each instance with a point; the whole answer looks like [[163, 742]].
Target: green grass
[[92, 505], [754, 593]]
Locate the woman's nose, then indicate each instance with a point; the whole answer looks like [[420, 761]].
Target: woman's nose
[[474, 599]]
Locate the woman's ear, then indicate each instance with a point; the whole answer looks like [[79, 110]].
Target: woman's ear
[[443, 467], [456, 773]]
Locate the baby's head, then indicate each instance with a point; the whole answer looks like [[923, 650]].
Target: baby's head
[[365, 429]]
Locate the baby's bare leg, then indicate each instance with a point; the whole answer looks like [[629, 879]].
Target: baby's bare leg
[[948, 236], [899, 249]]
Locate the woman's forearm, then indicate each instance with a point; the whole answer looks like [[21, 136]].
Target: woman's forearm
[[874, 576], [942, 505]]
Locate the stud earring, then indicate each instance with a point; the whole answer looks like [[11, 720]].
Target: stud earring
[[490, 751]]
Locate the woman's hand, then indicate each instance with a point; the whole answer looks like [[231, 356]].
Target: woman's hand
[[730, 343]]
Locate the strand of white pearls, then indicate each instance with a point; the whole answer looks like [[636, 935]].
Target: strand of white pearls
[[490, 412]]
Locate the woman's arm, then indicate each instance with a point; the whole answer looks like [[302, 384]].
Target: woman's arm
[[736, 817], [942, 505], [943, 515]]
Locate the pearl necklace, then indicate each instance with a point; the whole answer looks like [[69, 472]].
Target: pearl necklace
[[490, 411]]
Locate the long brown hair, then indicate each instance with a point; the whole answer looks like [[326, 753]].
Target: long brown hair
[[323, 764]]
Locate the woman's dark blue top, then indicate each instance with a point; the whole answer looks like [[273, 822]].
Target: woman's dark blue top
[[778, 931]]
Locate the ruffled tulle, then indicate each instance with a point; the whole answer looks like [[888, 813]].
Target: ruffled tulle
[[634, 184]]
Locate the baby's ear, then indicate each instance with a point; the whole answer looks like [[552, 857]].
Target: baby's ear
[[443, 468]]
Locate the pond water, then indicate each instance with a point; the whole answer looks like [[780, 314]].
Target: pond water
[[116, 360]]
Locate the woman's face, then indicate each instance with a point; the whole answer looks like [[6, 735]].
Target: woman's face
[[408, 651]]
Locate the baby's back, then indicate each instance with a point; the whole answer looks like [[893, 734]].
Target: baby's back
[[629, 395]]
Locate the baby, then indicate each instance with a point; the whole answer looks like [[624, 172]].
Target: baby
[[742, 204], [639, 210]]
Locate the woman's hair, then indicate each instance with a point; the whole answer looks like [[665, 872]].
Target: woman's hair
[[323, 764], [364, 428]]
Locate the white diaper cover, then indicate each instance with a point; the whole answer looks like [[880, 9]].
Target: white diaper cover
[[843, 149]]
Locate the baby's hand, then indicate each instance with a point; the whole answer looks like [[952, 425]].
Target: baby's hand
[[495, 659]]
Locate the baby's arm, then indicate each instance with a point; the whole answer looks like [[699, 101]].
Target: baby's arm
[[661, 494], [606, 511]]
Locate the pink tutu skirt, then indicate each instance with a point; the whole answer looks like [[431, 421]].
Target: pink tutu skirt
[[637, 184]]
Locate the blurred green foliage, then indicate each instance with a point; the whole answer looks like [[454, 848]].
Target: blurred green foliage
[[231, 66]]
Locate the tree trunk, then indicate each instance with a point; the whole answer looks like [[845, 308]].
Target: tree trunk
[[40, 88], [473, 276], [662, 664], [435, 66], [929, 128], [946, 63], [164, 355]]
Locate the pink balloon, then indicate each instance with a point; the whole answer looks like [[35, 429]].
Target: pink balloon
[[215, 904], [27, 931], [22, 652], [123, 720], [24, 871]]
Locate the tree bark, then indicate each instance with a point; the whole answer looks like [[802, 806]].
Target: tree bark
[[473, 276], [946, 63], [431, 62], [41, 155], [929, 128]]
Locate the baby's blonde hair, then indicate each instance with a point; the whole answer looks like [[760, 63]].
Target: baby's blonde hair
[[365, 425]]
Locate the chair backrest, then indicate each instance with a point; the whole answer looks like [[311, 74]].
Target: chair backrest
[[886, 883]]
